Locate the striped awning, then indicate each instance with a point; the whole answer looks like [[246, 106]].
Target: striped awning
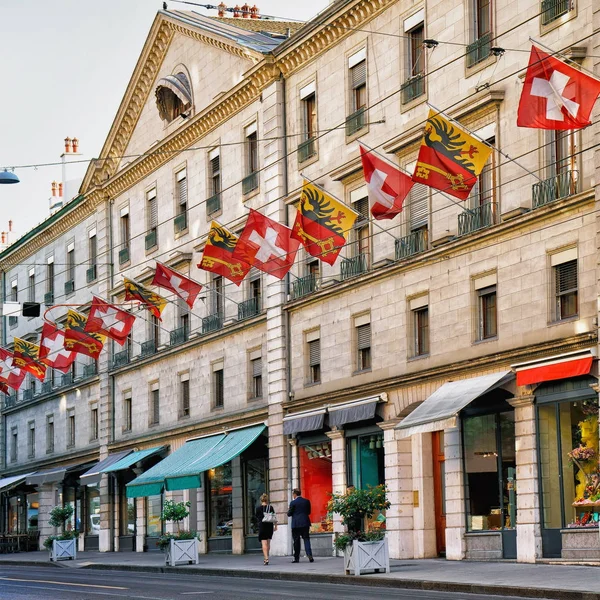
[[131, 459]]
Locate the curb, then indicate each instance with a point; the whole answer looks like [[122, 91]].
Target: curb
[[371, 581]]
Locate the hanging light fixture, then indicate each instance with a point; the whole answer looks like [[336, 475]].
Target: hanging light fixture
[[7, 176], [372, 443], [378, 442]]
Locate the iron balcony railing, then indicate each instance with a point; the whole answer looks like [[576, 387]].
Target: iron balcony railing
[[66, 379], [303, 286], [11, 401], [120, 359], [250, 183], [307, 149], [148, 347], [49, 298], [411, 244], [90, 370], [351, 267], [479, 50], [69, 287], [150, 239], [123, 256], [90, 274], [180, 222], [355, 122], [553, 9], [213, 204], [412, 88], [179, 335], [556, 187], [212, 323], [248, 308], [477, 218], [46, 387], [27, 395]]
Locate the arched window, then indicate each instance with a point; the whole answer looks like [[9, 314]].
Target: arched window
[[173, 96]]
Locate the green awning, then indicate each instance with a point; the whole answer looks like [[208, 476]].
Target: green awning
[[131, 459], [183, 469]]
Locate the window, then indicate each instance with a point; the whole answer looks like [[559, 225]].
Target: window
[[363, 344], [14, 448], [483, 191], [127, 413], [565, 285], [483, 18], [217, 386], [31, 287], [154, 507], [362, 243], [250, 182], [183, 317], [414, 30], [256, 366], [49, 434], [418, 207], [217, 299], [92, 272], [152, 219], [154, 408], [357, 76], [255, 290], [181, 197], [365, 460], [71, 428], [481, 32], [70, 277], [153, 332], [49, 281], [561, 168], [94, 424], [308, 99], [419, 322], [92, 510], [14, 297], [416, 55], [31, 440], [488, 325], [552, 10], [184, 395], [313, 268], [213, 204], [125, 235], [313, 343]]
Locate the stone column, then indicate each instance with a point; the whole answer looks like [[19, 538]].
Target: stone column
[[47, 500], [237, 500], [116, 511], [455, 495], [529, 532], [201, 525], [106, 513], [140, 524], [424, 513], [339, 476], [295, 462]]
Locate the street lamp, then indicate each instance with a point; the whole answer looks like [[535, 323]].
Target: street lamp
[[7, 176]]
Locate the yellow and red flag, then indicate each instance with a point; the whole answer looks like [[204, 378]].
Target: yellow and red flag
[[26, 356], [77, 339], [449, 159], [322, 223], [136, 292]]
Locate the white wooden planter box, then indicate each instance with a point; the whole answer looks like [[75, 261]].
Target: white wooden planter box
[[63, 550], [182, 551], [367, 556]]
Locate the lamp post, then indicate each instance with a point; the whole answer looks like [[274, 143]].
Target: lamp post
[[7, 176]]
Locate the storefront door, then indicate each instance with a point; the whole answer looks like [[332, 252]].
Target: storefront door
[[439, 491]]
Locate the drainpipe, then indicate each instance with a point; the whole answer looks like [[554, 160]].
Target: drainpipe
[[111, 482]]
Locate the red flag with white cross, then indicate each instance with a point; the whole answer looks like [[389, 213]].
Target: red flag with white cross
[[184, 287], [10, 374], [555, 95], [109, 320], [52, 349], [267, 245]]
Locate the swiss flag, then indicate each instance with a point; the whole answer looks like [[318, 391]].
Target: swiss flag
[[52, 350], [387, 185], [555, 95], [109, 320], [184, 287], [9, 373], [267, 245]]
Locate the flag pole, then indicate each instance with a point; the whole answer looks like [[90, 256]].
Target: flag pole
[[558, 53], [478, 137]]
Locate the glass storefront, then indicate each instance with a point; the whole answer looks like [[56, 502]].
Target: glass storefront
[[33, 506], [128, 515], [365, 460], [316, 483], [71, 496], [153, 513], [93, 510], [255, 485], [220, 509]]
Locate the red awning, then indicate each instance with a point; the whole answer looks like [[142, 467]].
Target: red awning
[[552, 369]]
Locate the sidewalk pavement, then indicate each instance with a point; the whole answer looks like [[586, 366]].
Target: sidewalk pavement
[[556, 581]]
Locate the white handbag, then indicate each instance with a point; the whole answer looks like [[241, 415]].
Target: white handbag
[[269, 517]]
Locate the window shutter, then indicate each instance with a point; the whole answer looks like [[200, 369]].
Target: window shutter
[[215, 164], [257, 367], [358, 74], [152, 213], [185, 397], [156, 406], [566, 277], [182, 184], [362, 208], [364, 336], [314, 353], [418, 206]]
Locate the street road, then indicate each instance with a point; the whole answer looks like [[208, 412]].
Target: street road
[[39, 583]]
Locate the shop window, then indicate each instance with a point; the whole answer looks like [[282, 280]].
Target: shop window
[[33, 507], [255, 473], [153, 513], [128, 514], [489, 459], [365, 460], [71, 496], [93, 510], [220, 509], [316, 482]]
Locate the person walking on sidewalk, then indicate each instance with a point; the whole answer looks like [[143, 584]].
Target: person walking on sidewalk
[[267, 524], [299, 511]]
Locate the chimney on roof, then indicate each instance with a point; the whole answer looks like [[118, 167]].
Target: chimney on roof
[[60, 190], [75, 142], [54, 187], [254, 12], [10, 226], [236, 11], [67, 145], [222, 8], [246, 11]]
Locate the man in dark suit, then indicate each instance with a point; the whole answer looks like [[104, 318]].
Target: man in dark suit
[[299, 511]]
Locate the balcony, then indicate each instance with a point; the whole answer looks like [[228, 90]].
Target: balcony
[[477, 218], [49, 298], [212, 323], [46, 387], [303, 286], [66, 379], [411, 244], [554, 188], [179, 336], [148, 348], [355, 122], [307, 149], [69, 287], [150, 239], [479, 50], [412, 88], [180, 223], [248, 308], [27, 395], [120, 359], [553, 9], [250, 183], [351, 267], [90, 274], [11, 401], [123, 256], [90, 370], [213, 204]]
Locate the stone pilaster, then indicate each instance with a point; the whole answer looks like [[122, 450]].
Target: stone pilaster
[[140, 524], [455, 495], [424, 513], [295, 462], [338, 470], [106, 514], [529, 532], [201, 525], [47, 500], [237, 500]]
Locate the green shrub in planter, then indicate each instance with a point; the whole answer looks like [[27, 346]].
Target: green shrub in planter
[[164, 540], [175, 512], [67, 535]]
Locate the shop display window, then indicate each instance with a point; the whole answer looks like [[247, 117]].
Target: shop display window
[[128, 514], [33, 506], [255, 485], [71, 496], [153, 513], [220, 507], [366, 461], [316, 483], [93, 510]]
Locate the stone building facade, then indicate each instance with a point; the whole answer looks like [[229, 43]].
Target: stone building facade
[[425, 358]]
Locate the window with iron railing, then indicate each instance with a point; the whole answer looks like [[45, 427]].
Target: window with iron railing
[[151, 239], [551, 10], [181, 196], [414, 86], [308, 146], [357, 76], [479, 49]]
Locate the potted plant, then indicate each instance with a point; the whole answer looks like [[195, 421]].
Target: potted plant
[[365, 547], [182, 546], [63, 546]]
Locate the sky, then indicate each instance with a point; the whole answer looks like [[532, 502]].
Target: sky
[[65, 67]]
